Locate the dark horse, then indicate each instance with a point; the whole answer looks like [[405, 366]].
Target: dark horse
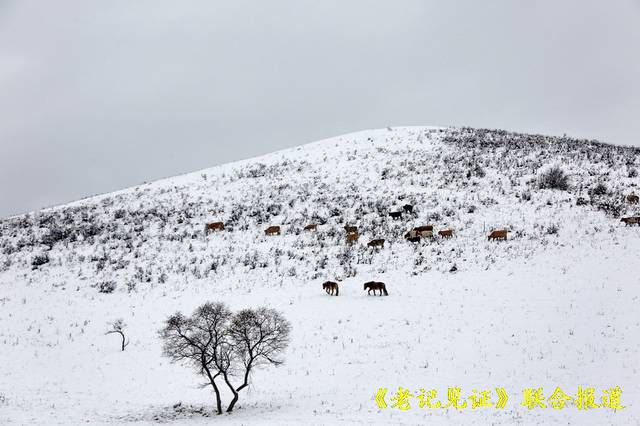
[[372, 285], [330, 287]]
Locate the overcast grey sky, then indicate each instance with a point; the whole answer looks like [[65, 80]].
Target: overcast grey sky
[[100, 95]]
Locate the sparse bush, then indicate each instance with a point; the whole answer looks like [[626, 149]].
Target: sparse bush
[[55, 235], [553, 178], [599, 189], [434, 216], [106, 287], [633, 172], [448, 211], [552, 229], [611, 207], [40, 259]]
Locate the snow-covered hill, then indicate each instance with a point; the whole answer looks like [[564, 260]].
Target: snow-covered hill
[[554, 305]]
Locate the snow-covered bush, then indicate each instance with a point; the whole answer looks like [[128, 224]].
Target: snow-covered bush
[[553, 178], [106, 287], [40, 259]]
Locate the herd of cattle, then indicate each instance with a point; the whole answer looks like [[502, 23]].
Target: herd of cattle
[[414, 235]]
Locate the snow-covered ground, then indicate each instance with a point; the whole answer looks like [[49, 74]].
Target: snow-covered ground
[[555, 305]]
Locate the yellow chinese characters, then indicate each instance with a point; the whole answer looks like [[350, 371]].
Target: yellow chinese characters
[[532, 398], [401, 399], [583, 400]]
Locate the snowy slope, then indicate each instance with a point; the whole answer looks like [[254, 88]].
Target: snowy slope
[[555, 305]]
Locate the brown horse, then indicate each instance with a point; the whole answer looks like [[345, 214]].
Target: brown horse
[[373, 285], [272, 230], [214, 226], [350, 229], [331, 288], [352, 237], [424, 231], [396, 215], [311, 227], [633, 199], [446, 233], [632, 220], [499, 234], [376, 243], [411, 234]]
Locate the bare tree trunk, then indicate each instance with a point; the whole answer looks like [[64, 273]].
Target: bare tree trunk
[[215, 388], [247, 370], [123, 340], [233, 390]]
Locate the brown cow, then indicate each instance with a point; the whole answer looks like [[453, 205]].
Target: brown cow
[[396, 215], [499, 234], [372, 285], [311, 227], [330, 287], [214, 226], [350, 229], [376, 243], [352, 237], [632, 220], [272, 230], [633, 199], [446, 233]]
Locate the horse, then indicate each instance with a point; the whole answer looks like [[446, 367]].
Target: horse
[[499, 234], [214, 226], [411, 234], [311, 227], [446, 233], [373, 285], [424, 231], [330, 287], [272, 230], [350, 229], [352, 237], [632, 220], [376, 243], [396, 215], [408, 208], [633, 199]]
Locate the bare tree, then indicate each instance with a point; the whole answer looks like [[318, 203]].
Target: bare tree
[[199, 341], [217, 343], [118, 327], [259, 336]]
